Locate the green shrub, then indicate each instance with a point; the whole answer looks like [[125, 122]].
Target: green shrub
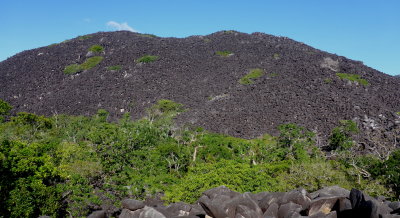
[[273, 75], [85, 37], [241, 177], [353, 78], [398, 113], [340, 137], [224, 53], [91, 62], [4, 110], [253, 74], [147, 59], [87, 65], [299, 142], [328, 80], [114, 68], [148, 35], [73, 68], [96, 48], [276, 56]]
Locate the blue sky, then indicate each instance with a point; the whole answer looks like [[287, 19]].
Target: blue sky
[[363, 30]]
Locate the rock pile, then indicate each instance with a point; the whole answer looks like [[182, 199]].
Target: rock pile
[[299, 84], [221, 202]]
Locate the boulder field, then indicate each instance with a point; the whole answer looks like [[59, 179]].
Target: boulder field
[[221, 202]]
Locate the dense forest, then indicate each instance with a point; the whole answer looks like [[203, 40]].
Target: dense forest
[[71, 165]]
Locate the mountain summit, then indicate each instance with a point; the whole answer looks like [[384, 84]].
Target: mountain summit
[[234, 83]]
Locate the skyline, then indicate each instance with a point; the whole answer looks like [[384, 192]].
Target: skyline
[[366, 31]]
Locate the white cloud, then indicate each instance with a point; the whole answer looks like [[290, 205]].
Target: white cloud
[[120, 26]]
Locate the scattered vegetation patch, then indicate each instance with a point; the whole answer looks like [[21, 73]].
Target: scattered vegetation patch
[[341, 136], [148, 35], [229, 31], [73, 68], [276, 56], [273, 75], [224, 53], [114, 68], [85, 37], [87, 65], [398, 113], [253, 74], [92, 62], [328, 80], [147, 59], [5, 108], [96, 48], [353, 78]]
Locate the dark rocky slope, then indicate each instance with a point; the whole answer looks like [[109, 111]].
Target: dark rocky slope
[[300, 84], [329, 202]]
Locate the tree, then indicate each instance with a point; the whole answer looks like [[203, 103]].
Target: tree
[[341, 136]]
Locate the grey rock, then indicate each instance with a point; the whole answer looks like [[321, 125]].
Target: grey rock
[[98, 214], [149, 212], [331, 191], [132, 204], [130, 214], [323, 204], [220, 191], [394, 205], [272, 210], [289, 210], [332, 214]]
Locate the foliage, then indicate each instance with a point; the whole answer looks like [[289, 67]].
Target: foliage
[[148, 35], [353, 77], [87, 65], [253, 74], [241, 177], [85, 37], [96, 48], [4, 110], [147, 59], [224, 53], [340, 137], [67, 165], [328, 80], [299, 141], [398, 113], [115, 67], [276, 56], [91, 62]]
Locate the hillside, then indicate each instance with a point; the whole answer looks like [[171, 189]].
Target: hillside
[[297, 84]]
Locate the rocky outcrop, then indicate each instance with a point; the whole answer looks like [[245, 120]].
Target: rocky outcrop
[[221, 202], [299, 84]]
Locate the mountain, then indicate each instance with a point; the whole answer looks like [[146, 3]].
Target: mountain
[[234, 83]]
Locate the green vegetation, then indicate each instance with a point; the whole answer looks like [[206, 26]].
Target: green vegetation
[[4, 110], [147, 59], [276, 56], [398, 113], [353, 78], [96, 48], [253, 74], [273, 75], [229, 31], [85, 37], [87, 65], [115, 67], [328, 80], [340, 137], [148, 35], [65, 165], [223, 53]]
